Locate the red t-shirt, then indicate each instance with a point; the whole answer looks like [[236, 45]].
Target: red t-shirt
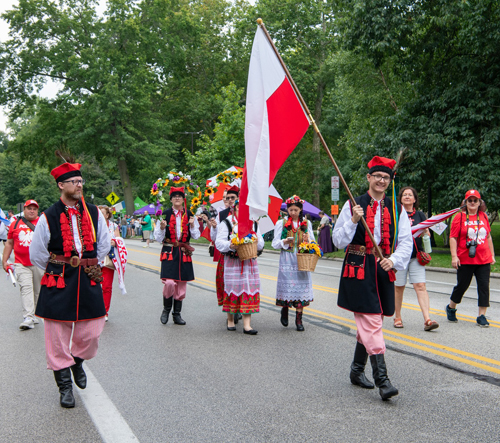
[[22, 236], [464, 232]]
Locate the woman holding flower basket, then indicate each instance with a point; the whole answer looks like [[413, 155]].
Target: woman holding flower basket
[[294, 287], [241, 277]]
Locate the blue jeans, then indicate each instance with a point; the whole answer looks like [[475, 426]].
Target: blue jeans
[[124, 231]]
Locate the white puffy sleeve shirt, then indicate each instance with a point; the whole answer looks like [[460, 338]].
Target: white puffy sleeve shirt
[[39, 253], [344, 231]]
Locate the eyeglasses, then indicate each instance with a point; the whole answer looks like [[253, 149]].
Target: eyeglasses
[[232, 197], [177, 196], [381, 178], [472, 200], [75, 182]]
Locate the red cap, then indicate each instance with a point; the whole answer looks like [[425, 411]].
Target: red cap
[[381, 164], [31, 202], [472, 193], [234, 190], [65, 171], [177, 190]]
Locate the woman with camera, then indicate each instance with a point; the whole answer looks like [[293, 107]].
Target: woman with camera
[[408, 197], [472, 253]]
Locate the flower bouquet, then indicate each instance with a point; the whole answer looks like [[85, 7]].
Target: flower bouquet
[[227, 177], [308, 255], [246, 246]]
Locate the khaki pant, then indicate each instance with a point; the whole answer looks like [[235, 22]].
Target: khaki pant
[[29, 278]]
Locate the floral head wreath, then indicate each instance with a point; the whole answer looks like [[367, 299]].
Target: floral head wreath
[[294, 199], [160, 189]]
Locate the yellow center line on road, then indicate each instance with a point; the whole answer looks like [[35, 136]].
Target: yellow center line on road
[[392, 336]]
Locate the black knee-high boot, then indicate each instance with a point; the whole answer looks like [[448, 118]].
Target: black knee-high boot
[[78, 373], [167, 307], [63, 380], [358, 364], [298, 321], [176, 315], [284, 316], [382, 382]]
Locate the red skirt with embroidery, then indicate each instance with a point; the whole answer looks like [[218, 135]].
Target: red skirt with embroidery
[[219, 280], [241, 304]]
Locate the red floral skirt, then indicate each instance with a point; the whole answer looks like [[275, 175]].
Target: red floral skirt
[[241, 304]]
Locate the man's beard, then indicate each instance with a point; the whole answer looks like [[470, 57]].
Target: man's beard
[[77, 195]]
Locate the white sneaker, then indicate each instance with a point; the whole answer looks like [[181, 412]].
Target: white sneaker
[[106, 318], [146, 246], [36, 321], [27, 324]]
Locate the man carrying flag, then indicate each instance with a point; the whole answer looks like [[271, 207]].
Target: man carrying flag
[[367, 281], [70, 240]]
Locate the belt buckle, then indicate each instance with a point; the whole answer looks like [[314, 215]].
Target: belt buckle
[[362, 248], [74, 261]]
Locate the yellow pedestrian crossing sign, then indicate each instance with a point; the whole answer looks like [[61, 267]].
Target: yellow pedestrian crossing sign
[[112, 198]]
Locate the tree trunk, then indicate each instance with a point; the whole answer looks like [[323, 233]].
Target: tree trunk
[[127, 186], [316, 146]]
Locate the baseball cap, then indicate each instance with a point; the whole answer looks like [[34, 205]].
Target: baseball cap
[[31, 202], [472, 193]]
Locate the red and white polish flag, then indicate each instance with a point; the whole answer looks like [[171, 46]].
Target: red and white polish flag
[[434, 220], [275, 122]]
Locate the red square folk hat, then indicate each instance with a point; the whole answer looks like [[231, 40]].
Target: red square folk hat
[[65, 171], [381, 164]]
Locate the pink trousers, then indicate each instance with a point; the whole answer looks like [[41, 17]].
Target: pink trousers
[[370, 333], [174, 288], [61, 346]]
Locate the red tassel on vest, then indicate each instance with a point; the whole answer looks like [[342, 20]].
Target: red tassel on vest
[[60, 282], [392, 275], [44, 280], [51, 281], [346, 271], [351, 272], [361, 273]]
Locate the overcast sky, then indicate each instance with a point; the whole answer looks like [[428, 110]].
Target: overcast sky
[[51, 88]]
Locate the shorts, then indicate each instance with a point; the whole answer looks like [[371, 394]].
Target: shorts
[[147, 234], [416, 272]]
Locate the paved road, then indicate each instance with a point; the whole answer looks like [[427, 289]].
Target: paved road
[[201, 383]]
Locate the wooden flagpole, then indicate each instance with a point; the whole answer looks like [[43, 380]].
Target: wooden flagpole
[[316, 129]]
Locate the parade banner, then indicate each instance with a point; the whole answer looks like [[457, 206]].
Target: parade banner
[[434, 220]]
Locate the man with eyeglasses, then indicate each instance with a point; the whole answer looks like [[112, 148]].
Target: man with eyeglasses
[[70, 240], [367, 282], [175, 231]]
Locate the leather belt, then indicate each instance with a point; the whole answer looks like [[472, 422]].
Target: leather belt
[[359, 250], [74, 261]]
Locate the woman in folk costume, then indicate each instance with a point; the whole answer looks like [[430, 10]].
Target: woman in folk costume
[[230, 196], [175, 231], [241, 278], [70, 240], [367, 281], [294, 287]]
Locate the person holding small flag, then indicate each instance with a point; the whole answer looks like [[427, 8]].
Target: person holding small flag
[[175, 231], [70, 240], [367, 281], [28, 276]]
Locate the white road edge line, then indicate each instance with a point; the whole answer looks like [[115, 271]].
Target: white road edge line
[[109, 422]]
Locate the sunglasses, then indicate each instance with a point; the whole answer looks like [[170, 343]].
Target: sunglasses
[[472, 200]]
